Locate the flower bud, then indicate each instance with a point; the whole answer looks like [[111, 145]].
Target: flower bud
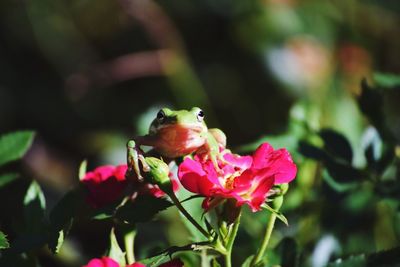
[[277, 203], [283, 188], [159, 174]]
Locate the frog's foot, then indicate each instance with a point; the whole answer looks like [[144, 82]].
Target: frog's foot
[[145, 166], [134, 156], [220, 156], [215, 161]]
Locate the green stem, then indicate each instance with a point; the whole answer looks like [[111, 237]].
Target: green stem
[[231, 240], [188, 216], [228, 259], [129, 241], [260, 252]]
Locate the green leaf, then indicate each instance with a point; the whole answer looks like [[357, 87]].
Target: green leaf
[[278, 214], [14, 145], [115, 251], [35, 234], [247, 262], [3, 241], [7, 178], [371, 104], [66, 208], [82, 169], [105, 212], [337, 145], [56, 239], [311, 151], [142, 209], [61, 218], [386, 80], [343, 173], [337, 186], [155, 261], [34, 207], [340, 170]]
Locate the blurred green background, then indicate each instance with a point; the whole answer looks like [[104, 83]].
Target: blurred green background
[[88, 75]]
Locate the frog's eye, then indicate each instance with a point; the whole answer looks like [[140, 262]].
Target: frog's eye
[[200, 115], [161, 116]]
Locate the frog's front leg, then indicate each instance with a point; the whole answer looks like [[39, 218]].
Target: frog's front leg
[[215, 140], [219, 136], [134, 155]]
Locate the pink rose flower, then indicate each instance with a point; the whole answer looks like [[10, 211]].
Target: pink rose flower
[[247, 179], [105, 184], [108, 262]]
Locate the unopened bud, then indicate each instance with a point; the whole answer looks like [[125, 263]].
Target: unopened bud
[[159, 174], [277, 203], [283, 188]]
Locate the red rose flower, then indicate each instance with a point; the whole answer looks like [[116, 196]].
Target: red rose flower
[[103, 262], [248, 179], [108, 262], [105, 184]]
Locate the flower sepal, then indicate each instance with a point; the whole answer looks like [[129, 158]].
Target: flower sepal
[[231, 211], [276, 205], [281, 189]]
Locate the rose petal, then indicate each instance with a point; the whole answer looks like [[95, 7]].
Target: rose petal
[[260, 154], [104, 184], [103, 262], [194, 178], [285, 169], [244, 181], [242, 162], [120, 171], [279, 162], [259, 195]]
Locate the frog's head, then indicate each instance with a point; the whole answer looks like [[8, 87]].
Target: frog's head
[[171, 120], [178, 132]]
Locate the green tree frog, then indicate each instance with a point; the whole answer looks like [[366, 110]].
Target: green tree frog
[[177, 133]]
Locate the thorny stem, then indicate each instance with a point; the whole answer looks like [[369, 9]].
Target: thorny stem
[[188, 216], [267, 236]]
